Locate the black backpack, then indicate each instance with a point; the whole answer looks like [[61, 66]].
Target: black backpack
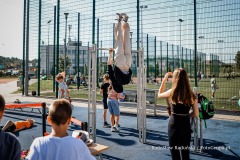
[[206, 111]]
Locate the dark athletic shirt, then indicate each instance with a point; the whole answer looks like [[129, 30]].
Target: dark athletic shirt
[[116, 86], [104, 87], [180, 108], [10, 148]]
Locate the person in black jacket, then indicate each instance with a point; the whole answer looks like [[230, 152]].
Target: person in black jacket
[[10, 148]]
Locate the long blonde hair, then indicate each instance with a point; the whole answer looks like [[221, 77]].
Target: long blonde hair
[[181, 90]]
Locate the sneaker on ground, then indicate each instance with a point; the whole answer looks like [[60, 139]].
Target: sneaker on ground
[[106, 125], [117, 130], [113, 129]]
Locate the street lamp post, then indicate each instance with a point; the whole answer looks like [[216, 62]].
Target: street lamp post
[[65, 46], [181, 20], [220, 41], [142, 7], [47, 54], [3, 54], [200, 66]]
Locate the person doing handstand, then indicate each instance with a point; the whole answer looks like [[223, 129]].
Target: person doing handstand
[[121, 74]]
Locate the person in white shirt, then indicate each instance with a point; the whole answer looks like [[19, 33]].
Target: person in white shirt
[[58, 145]]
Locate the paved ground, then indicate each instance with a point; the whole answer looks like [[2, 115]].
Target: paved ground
[[221, 138]]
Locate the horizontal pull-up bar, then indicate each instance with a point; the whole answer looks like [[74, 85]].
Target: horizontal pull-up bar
[[103, 49], [91, 49]]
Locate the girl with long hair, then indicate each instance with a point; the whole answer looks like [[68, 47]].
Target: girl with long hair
[[183, 100]]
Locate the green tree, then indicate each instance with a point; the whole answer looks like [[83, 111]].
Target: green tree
[[237, 60], [61, 63], [229, 69], [224, 69]]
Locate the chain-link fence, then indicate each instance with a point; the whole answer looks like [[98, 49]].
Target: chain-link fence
[[61, 32]]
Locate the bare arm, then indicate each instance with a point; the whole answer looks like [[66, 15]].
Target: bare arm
[[101, 91], [109, 62], [162, 87], [168, 107], [195, 112], [161, 93]]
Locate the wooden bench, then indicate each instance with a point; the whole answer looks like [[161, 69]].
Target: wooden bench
[[96, 149], [131, 97]]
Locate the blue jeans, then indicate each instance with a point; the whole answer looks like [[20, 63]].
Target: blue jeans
[[113, 107]]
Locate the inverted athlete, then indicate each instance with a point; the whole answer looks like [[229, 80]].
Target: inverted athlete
[[121, 74]]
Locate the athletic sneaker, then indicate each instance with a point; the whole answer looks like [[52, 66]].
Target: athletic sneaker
[[106, 125], [125, 19], [117, 130], [113, 129], [119, 17]]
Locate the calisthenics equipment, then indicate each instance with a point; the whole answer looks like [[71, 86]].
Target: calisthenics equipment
[[92, 80], [141, 92]]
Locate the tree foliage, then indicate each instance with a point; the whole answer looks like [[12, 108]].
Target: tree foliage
[[237, 59], [61, 63]]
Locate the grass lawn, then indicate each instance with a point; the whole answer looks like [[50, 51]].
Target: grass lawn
[[226, 96]]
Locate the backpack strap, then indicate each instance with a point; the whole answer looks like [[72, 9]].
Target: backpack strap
[[205, 124]]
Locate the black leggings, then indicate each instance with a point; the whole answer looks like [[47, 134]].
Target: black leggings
[[179, 134]]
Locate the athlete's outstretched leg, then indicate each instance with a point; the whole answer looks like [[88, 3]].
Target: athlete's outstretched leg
[[126, 40], [120, 59]]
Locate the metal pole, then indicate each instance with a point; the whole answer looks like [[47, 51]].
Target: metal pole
[[167, 58], [147, 59], [43, 118], [78, 44], [186, 57], [93, 22], [178, 48], [54, 48], [180, 20], [173, 57], [161, 58], [155, 56], [24, 35], [97, 56], [39, 44], [27, 51], [65, 46], [190, 62], [58, 30], [138, 1], [47, 55], [195, 41], [141, 28]]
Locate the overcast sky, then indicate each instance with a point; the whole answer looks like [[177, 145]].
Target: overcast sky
[[11, 28]]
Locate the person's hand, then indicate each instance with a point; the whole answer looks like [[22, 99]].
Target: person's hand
[[111, 50], [167, 75]]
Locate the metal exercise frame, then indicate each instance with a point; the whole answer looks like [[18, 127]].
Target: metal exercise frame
[[92, 80], [141, 97], [194, 122]]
